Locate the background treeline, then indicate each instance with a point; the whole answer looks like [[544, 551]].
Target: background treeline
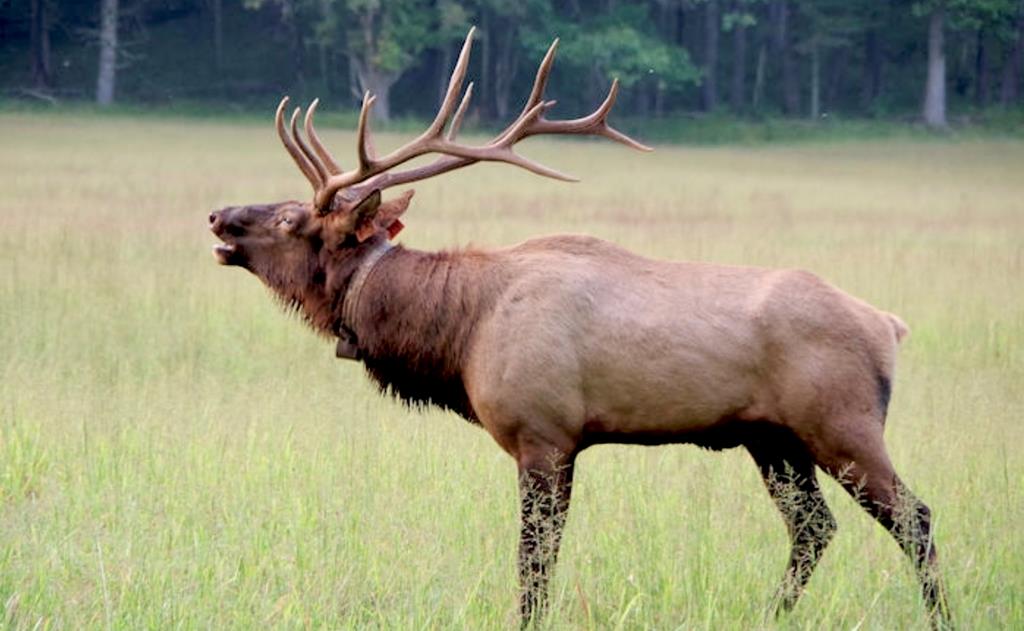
[[794, 58]]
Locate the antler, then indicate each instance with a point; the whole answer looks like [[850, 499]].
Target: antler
[[373, 173]]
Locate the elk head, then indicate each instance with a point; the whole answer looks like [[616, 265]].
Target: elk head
[[290, 245]]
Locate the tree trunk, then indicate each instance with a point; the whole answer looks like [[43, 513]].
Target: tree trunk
[[107, 75], [679, 37], [667, 23], [217, 11], [739, 67], [982, 76], [641, 105], [378, 83], [815, 80], [712, 27], [324, 62], [506, 63], [934, 110], [783, 48], [353, 79], [487, 36], [39, 35], [1010, 89], [371, 78], [836, 78], [290, 18], [872, 85], [762, 61]]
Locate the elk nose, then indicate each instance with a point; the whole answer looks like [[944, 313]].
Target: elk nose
[[216, 220]]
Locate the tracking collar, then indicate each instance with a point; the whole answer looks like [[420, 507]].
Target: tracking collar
[[347, 343]]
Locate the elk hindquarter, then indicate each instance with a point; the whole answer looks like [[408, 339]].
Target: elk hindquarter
[[589, 343]]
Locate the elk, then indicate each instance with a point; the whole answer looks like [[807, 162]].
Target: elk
[[564, 342]]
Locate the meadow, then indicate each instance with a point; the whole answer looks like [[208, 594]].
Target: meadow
[[177, 452]]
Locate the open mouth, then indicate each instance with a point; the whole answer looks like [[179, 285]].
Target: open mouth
[[228, 252], [225, 253]]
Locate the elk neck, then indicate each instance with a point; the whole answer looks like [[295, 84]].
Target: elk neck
[[414, 314], [322, 294], [348, 346]]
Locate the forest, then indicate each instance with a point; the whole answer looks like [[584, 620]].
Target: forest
[[936, 61]]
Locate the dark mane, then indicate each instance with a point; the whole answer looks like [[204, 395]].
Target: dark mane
[[315, 291], [416, 319]]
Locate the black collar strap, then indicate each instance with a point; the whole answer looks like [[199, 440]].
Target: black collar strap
[[347, 344]]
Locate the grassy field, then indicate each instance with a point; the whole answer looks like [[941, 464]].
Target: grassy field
[[175, 452]]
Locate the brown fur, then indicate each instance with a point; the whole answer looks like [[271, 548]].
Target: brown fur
[[564, 342], [415, 325]]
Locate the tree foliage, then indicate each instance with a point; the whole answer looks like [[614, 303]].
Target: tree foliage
[[797, 57]]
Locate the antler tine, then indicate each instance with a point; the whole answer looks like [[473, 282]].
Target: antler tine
[[601, 119], [326, 159], [460, 113], [614, 134], [504, 144], [518, 127], [539, 83], [321, 174], [606, 130], [289, 144], [363, 144], [367, 165], [541, 80], [595, 123], [454, 87], [498, 150]]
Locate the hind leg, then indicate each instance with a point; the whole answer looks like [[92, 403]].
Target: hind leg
[[788, 472], [862, 467]]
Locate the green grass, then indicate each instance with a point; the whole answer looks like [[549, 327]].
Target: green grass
[[724, 129], [175, 452], [994, 123]]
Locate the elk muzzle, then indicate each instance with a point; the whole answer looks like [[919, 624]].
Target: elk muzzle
[[223, 226]]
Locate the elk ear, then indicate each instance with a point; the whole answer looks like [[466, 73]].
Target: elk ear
[[372, 215]]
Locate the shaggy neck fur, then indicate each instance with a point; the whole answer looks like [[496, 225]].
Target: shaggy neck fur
[[415, 318], [318, 292]]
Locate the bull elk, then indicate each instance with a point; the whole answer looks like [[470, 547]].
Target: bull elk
[[566, 341]]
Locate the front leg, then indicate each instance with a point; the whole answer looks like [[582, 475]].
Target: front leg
[[545, 486]]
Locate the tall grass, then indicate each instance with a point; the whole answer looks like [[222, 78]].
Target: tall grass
[[175, 452], [692, 128]]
